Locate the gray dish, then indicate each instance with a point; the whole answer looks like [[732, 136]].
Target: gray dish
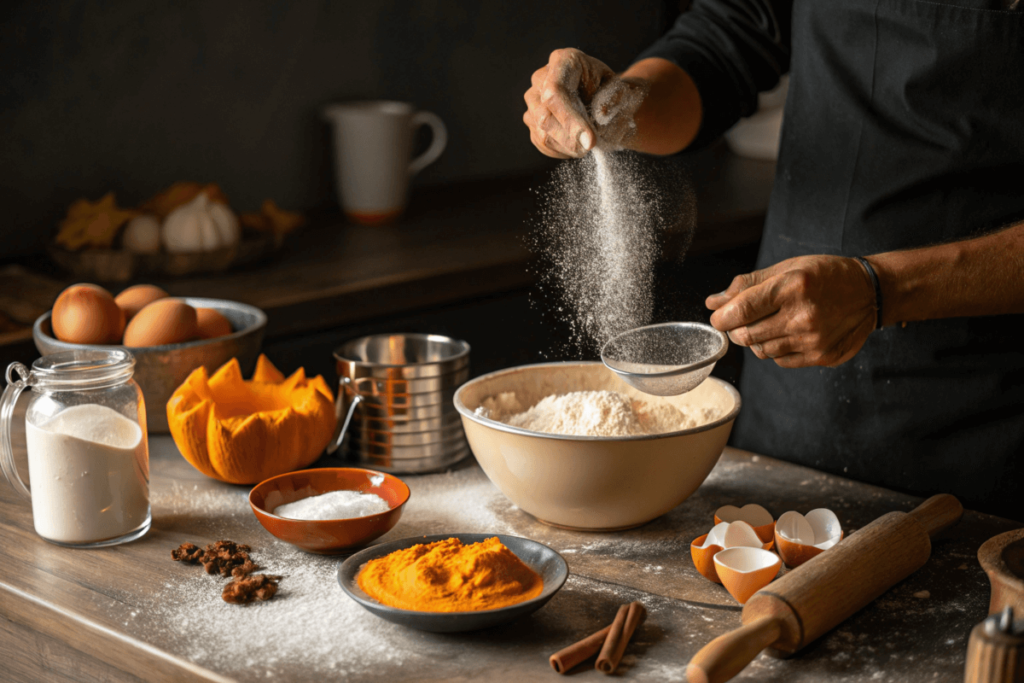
[[542, 559], [159, 370]]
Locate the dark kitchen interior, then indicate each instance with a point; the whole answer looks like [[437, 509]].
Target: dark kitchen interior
[[194, 146], [131, 97]]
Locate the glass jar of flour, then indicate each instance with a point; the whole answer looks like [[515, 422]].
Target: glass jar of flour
[[88, 458]]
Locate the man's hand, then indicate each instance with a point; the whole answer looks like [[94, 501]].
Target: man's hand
[[558, 126], [804, 311]]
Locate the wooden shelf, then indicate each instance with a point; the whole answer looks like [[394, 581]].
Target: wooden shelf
[[455, 243]]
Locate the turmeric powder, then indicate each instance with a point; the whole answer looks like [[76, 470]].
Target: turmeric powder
[[448, 576]]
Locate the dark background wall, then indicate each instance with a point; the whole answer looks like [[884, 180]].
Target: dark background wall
[[130, 96]]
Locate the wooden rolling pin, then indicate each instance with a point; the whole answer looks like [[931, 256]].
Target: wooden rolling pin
[[809, 601]]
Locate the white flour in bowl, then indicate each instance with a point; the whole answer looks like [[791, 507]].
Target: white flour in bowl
[[334, 505], [594, 413]]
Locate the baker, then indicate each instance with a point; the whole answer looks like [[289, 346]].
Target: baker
[[885, 312]]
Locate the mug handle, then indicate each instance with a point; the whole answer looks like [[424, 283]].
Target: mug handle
[[7, 403], [437, 145]]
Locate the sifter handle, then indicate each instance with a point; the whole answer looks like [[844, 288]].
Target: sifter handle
[[938, 513], [727, 655]]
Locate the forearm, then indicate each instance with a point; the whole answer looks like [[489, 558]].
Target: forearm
[[670, 116], [975, 277]]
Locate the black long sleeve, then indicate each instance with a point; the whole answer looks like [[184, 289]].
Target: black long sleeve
[[732, 49]]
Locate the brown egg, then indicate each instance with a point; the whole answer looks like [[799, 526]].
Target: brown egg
[[212, 323], [165, 321], [134, 299], [87, 314]]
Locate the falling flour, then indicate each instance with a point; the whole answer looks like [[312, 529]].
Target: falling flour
[[599, 227], [593, 413]]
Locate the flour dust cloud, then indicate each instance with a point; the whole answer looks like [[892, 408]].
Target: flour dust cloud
[[602, 222]]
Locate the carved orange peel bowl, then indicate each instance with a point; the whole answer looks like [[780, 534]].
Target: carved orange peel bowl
[[744, 571], [754, 515], [799, 538], [723, 536]]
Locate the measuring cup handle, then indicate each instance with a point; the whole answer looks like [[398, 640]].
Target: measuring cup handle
[[336, 443], [346, 382], [7, 404]]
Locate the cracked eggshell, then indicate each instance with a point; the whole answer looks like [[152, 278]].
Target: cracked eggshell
[[744, 571], [799, 537], [754, 515], [724, 535]]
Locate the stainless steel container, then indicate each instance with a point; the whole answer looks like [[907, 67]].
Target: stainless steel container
[[395, 393]]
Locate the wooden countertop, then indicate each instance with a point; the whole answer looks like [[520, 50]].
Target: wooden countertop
[[130, 613], [455, 243]]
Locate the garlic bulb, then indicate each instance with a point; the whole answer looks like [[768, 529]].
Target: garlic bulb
[[142, 235], [200, 225]]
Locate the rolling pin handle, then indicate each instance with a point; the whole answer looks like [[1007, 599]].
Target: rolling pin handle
[[727, 655], [938, 513]]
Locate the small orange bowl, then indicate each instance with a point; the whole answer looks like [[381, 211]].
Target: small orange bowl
[[329, 536]]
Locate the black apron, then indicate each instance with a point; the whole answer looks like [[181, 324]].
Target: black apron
[[904, 127]]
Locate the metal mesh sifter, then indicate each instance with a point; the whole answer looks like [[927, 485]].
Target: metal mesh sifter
[[666, 359]]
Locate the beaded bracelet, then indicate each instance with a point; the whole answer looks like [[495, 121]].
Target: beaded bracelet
[[878, 289]]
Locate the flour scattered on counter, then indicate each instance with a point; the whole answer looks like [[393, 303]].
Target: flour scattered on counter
[[311, 631], [593, 413]]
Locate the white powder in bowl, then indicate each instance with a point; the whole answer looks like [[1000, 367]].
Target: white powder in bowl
[[594, 413], [334, 505]]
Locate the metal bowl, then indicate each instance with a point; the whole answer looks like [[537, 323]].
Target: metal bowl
[[403, 413], [438, 449], [397, 463], [401, 356], [360, 437], [379, 387], [159, 370], [400, 426]]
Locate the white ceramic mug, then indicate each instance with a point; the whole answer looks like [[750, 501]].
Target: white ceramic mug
[[373, 156]]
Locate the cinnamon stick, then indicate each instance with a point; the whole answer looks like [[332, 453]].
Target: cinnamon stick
[[567, 658], [626, 622], [614, 636]]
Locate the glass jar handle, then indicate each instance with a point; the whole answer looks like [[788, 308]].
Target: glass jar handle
[[10, 399]]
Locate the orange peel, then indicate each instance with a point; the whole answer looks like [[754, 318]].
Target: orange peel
[[243, 432]]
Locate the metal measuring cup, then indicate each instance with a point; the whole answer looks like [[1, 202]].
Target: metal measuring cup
[[396, 391]]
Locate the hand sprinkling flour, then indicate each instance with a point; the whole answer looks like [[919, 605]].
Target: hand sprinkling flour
[[601, 222], [612, 110]]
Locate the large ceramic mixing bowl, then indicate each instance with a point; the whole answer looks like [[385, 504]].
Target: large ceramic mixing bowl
[[159, 370], [593, 483]]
